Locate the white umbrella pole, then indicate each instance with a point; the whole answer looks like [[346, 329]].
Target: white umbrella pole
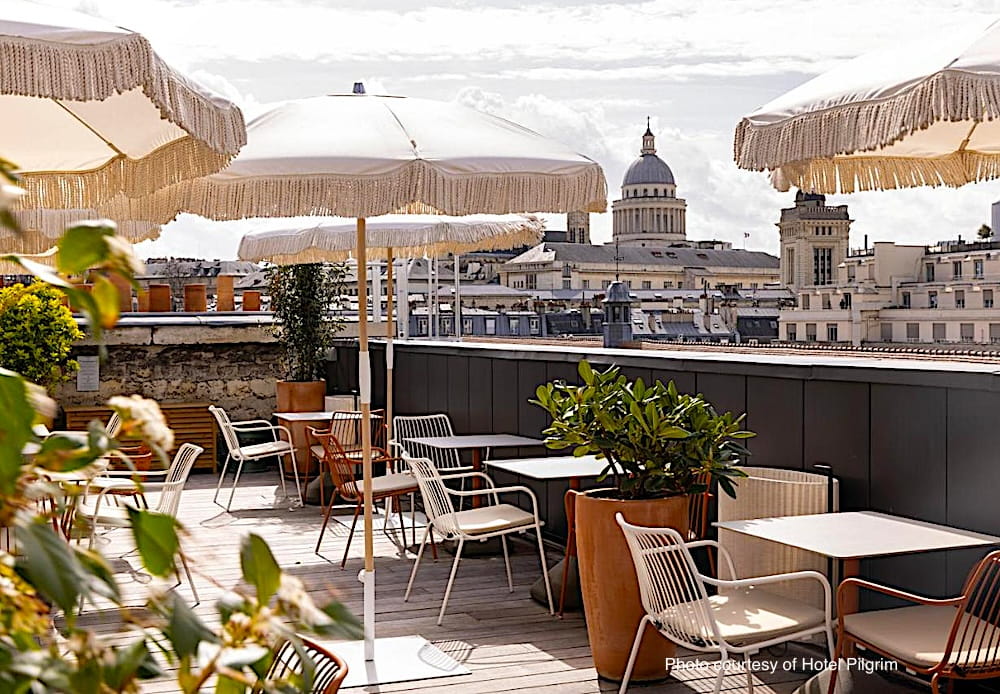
[[390, 330], [365, 386]]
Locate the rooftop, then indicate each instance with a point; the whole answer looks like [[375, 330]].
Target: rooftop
[[631, 255]]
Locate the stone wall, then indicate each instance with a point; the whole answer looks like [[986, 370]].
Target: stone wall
[[232, 366]]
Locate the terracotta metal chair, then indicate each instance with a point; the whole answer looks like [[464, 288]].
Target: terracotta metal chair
[[345, 426], [494, 519], [341, 466], [325, 673], [739, 620], [954, 639]]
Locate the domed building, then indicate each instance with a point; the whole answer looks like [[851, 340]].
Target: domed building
[[649, 212]]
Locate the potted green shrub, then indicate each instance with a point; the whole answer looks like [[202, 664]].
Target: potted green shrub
[[662, 446], [37, 332], [302, 298]]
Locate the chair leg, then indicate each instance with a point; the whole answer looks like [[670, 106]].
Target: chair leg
[[722, 673], [451, 579], [357, 510], [545, 569], [326, 520], [633, 654], [236, 481], [295, 472], [187, 572], [416, 564], [746, 666], [837, 653], [402, 524], [218, 486], [506, 561]]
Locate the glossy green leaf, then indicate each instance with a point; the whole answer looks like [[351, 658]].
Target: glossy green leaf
[[184, 629], [105, 295], [156, 539], [83, 246], [15, 427], [259, 567], [51, 565]]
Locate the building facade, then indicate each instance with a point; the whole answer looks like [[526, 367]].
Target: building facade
[[911, 294], [814, 241]]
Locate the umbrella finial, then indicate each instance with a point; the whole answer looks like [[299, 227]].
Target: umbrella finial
[[359, 88], [648, 141]]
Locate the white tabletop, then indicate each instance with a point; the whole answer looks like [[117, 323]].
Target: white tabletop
[[858, 534], [553, 468], [476, 441]]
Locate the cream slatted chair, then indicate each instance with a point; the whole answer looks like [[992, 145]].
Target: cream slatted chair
[[446, 460], [956, 638], [104, 511], [276, 447], [739, 620], [493, 519]]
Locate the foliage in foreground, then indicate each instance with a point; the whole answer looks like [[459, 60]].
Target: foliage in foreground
[[46, 582], [657, 442], [37, 332]]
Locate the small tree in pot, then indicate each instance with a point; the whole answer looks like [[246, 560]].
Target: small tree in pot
[[661, 446], [302, 299]]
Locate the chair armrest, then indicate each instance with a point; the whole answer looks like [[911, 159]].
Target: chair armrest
[[248, 422], [777, 578], [133, 473], [891, 592], [123, 484], [496, 491], [723, 553], [266, 426]]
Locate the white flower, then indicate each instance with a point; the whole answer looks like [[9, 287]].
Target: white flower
[[123, 256], [142, 417], [9, 194]]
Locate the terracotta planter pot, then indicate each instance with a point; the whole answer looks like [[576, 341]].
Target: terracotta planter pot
[[251, 301], [224, 293], [160, 299], [195, 298], [610, 589], [142, 300], [301, 396]]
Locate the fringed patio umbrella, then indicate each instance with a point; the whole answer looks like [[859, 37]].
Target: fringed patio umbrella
[[389, 237], [88, 111], [926, 114], [41, 229], [360, 156]]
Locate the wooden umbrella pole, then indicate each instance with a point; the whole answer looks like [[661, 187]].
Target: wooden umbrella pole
[[390, 332], [365, 387]]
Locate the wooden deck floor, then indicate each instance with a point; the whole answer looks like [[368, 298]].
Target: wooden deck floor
[[507, 641]]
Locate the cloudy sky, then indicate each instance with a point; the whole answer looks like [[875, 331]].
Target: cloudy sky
[[587, 73]]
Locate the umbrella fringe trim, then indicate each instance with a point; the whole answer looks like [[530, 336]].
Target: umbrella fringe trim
[[415, 188], [179, 161], [41, 229], [858, 174], [322, 247], [949, 95], [95, 72]]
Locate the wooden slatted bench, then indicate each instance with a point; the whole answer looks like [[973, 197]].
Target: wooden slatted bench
[[191, 422]]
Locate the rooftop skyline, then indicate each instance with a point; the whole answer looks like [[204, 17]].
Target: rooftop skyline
[[586, 73]]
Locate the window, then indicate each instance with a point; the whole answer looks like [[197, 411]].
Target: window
[[535, 326], [932, 299], [804, 301], [790, 332], [987, 298], [668, 285], [491, 326], [446, 326], [956, 269], [959, 299], [647, 284], [467, 326], [852, 272], [977, 268], [628, 283], [790, 267], [585, 284], [938, 332], [846, 301], [929, 272], [886, 329], [826, 301], [605, 284], [513, 325], [967, 332], [906, 300], [810, 332], [913, 332], [822, 266], [531, 281], [567, 283], [995, 333], [831, 332], [421, 326], [567, 270]]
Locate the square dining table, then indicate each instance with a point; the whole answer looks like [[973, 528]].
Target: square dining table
[[477, 443], [852, 536]]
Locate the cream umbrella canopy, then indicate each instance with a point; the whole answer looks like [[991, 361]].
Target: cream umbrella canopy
[[927, 113], [388, 237], [88, 111], [359, 156]]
